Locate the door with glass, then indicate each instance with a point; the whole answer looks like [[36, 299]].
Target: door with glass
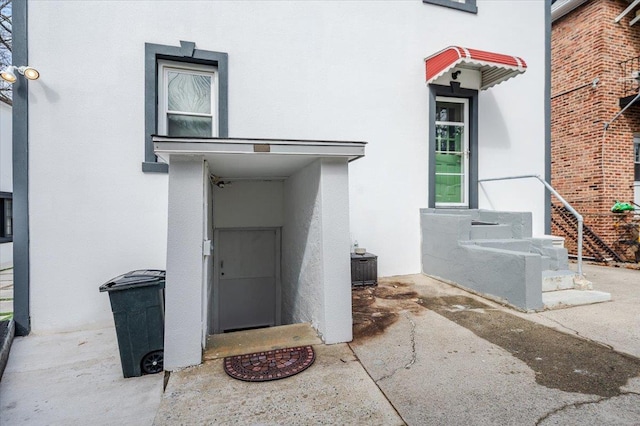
[[452, 152]]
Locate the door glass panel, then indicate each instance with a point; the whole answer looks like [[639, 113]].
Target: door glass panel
[[449, 163], [450, 111], [449, 138], [449, 188]]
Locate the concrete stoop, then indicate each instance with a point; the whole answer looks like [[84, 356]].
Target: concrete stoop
[[563, 289], [572, 297], [531, 273], [557, 280]]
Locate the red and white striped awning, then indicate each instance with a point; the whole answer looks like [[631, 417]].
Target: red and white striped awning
[[494, 67]]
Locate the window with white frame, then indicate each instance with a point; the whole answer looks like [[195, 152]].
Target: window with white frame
[[464, 5], [187, 100]]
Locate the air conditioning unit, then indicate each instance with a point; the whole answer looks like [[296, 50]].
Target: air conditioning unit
[[635, 75]]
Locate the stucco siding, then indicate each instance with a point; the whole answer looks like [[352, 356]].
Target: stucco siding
[[302, 254], [297, 70]]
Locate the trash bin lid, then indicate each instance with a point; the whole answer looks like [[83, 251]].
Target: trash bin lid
[[139, 278]]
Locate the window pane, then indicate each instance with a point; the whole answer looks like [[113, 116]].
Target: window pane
[[186, 125], [450, 111], [448, 189], [189, 92]]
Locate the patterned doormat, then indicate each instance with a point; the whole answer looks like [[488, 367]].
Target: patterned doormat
[[270, 365]]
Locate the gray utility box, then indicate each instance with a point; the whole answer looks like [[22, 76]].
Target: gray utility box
[[364, 269], [137, 302]]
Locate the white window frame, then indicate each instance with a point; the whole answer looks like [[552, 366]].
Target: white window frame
[[164, 67], [465, 148]]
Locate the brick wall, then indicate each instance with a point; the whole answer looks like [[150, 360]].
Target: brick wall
[[590, 167]]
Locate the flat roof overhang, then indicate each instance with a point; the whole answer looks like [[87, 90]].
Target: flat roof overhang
[[255, 158]]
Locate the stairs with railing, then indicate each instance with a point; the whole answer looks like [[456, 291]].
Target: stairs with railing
[[592, 243], [494, 253]]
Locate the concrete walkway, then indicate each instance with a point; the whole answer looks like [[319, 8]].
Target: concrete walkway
[[430, 354]]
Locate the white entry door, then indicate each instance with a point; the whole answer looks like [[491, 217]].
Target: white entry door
[[247, 277]]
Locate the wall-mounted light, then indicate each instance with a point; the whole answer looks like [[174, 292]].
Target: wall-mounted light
[[9, 73], [216, 180], [455, 74]]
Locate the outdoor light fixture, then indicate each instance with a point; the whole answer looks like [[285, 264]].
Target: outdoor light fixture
[[9, 73], [216, 180]]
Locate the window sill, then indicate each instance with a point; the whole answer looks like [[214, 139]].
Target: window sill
[[6, 240], [153, 167]]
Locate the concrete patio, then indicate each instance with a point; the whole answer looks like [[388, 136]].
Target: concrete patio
[[424, 359]]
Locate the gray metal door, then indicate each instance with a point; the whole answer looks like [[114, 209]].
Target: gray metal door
[[247, 279]]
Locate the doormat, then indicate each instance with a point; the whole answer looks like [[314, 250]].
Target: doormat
[[270, 365]]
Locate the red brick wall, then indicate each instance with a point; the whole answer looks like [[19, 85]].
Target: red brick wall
[[592, 168]]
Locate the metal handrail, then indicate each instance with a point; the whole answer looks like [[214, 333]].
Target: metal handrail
[[568, 206]]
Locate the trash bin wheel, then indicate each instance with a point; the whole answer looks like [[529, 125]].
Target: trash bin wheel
[[153, 362]]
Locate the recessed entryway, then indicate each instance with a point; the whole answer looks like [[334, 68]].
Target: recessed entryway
[[247, 279], [264, 339]]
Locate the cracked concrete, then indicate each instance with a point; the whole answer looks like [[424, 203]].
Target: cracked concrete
[[618, 410], [413, 342], [436, 371], [459, 377], [394, 358]]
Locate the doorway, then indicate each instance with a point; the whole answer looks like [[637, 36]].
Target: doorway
[[452, 152], [247, 279], [453, 147]]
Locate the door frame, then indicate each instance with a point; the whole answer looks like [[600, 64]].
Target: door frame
[[464, 155], [454, 91], [215, 308]]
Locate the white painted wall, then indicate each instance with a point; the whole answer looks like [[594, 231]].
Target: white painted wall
[[336, 260], [207, 231], [184, 302], [248, 204], [302, 252], [6, 173], [316, 70]]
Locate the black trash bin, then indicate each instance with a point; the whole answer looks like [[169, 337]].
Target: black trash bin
[[137, 302]]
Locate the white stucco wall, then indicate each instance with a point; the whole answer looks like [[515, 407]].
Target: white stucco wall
[[349, 70], [336, 260], [248, 204], [184, 314], [6, 173], [302, 261]]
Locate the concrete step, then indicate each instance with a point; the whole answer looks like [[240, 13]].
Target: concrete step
[[504, 244], [568, 298], [546, 263], [557, 280], [484, 232]]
